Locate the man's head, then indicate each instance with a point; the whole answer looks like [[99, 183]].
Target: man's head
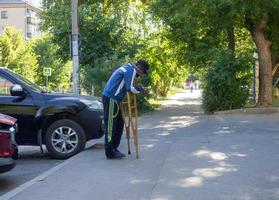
[[142, 67]]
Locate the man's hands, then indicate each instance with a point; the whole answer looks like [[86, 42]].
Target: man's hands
[[142, 89]]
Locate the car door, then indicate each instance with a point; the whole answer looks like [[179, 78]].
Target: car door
[[23, 109]]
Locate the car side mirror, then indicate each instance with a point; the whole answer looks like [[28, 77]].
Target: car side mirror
[[17, 90]]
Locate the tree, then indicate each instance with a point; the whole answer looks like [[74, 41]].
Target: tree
[[259, 19], [103, 34], [204, 25], [47, 56], [17, 54], [225, 83], [166, 71], [113, 33]]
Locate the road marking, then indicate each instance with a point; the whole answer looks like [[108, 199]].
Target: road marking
[[35, 180]]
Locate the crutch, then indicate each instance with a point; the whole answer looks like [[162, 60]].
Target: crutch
[[131, 105], [127, 123]]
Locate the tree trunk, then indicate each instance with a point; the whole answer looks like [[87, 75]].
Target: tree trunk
[[231, 45], [265, 64]]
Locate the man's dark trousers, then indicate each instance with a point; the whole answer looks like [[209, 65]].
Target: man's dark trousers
[[113, 124]]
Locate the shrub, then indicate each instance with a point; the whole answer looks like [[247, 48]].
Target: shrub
[[226, 83]]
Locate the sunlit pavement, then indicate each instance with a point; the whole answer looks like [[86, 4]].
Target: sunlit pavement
[[184, 154]]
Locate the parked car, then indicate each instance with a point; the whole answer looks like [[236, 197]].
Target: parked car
[[8, 147], [63, 122]]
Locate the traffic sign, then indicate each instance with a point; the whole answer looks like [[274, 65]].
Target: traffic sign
[[47, 71]]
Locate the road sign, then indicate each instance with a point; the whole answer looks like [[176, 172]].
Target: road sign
[[47, 71]]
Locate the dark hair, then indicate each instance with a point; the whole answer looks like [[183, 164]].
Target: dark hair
[[144, 64]]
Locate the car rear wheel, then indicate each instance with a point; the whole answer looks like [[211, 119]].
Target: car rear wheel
[[65, 138]]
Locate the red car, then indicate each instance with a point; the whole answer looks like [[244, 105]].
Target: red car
[[8, 147]]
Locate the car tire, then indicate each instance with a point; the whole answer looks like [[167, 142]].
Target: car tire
[[65, 138]]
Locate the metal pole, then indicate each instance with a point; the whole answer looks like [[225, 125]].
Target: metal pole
[[74, 4], [46, 83], [256, 57]]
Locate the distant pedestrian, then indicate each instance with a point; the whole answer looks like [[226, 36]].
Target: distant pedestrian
[[185, 85], [120, 82], [191, 86]]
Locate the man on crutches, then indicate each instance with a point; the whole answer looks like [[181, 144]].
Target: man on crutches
[[120, 82]]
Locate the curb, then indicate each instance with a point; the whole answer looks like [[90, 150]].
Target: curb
[[262, 110]]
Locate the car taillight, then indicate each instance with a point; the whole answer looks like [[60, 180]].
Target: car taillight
[[5, 145]]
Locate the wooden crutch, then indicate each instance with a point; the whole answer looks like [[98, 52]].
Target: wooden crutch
[[124, 111], [131, 105]]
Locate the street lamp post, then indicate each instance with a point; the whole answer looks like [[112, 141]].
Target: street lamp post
[[75, 54]]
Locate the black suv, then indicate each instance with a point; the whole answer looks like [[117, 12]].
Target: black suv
[[63, 122]]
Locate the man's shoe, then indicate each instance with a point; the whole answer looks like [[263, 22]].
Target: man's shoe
[[109, 153], [117, 152], [115, 156]]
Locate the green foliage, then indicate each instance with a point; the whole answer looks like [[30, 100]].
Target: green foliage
[[56, 19], [17, 54], [272, 31], [191, 28], [199, 27], [106, 36], [182, 37], [192, 77], [165, 72], [48, 56], [226, 83], [143, 103], [113, 33], [98, 76], [244, 43]]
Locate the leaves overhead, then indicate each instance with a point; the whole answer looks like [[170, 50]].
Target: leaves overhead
[[17, 54]]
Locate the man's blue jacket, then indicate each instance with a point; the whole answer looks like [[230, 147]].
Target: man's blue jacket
[[120, 82]]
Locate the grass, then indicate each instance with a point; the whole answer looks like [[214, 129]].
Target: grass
[[275, 102], [251, 103], [151, 105], [155, 103]]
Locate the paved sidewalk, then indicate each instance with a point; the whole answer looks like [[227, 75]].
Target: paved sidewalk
[[183, 155]]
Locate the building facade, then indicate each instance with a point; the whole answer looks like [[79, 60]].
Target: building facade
[[22, 15]]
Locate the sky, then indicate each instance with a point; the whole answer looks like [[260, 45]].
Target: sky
[[34, 2], [37, 2]]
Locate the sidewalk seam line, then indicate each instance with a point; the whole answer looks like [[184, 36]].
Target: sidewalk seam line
[[155, 185]]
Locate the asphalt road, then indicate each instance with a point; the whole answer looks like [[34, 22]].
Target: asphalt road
[[30, 164]]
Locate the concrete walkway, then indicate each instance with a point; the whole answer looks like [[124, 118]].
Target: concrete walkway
[[183, 155]]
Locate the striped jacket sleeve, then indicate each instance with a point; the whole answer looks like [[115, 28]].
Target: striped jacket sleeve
[[129, 77]]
